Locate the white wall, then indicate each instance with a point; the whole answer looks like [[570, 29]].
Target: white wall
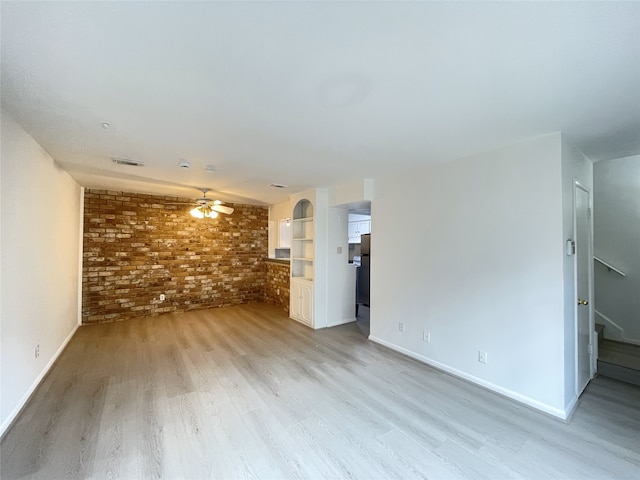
[[342, 276], [575, 167], [40, 206], [475, 257], [617, 241], [352, 193]]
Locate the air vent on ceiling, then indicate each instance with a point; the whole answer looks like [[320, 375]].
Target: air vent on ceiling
[[126, 161], [278, 185]]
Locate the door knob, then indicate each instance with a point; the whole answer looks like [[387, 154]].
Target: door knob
[[583, 302]]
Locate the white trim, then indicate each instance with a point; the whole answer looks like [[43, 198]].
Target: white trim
[[530, 402], [13, 416], [571, 408], [303, 322], [80, 254], [341, 322]]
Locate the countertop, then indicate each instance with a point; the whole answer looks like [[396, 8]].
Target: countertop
[[281, 261]]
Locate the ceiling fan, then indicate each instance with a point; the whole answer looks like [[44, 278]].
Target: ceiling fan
[[208, 207]]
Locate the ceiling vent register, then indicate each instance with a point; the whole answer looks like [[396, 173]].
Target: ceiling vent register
[[126, 161]]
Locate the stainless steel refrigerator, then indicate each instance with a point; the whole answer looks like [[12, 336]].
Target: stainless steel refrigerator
[[364, 272]]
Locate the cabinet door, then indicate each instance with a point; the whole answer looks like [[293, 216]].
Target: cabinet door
[[364, 227], [306, 292], [354, 235], [295, 301]]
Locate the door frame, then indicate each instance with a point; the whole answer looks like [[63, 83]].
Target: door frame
[[593, 349]]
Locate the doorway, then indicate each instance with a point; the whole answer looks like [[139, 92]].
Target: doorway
[[582, 295], [359, 235]]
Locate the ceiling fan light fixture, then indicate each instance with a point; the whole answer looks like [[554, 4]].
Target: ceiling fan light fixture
[[206, 207], [197, 212], [203, 211]]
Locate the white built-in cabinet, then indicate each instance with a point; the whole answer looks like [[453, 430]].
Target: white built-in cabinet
[[301, 301], [321, 294], [302, 262], [357, 228]]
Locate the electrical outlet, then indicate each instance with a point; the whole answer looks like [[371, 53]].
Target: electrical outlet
[[483, 357], [37, 351], [339, 250], [401, 327], [162, 297], [426, 336]]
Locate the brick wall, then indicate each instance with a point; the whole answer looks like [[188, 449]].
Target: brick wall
[[276, 290], [138, 246]]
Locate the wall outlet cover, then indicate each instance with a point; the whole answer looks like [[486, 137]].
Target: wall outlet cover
[[483, 357]]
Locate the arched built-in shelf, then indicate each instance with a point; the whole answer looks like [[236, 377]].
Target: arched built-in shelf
[[302, 240], [301, 306]]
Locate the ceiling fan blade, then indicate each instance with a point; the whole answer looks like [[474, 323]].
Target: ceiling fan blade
[[222, 209], [180, 203]]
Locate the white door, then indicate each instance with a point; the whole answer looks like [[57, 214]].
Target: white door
[[295, 310], [583, 259], [306, 294]]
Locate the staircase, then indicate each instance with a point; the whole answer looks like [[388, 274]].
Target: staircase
[[618, 360]]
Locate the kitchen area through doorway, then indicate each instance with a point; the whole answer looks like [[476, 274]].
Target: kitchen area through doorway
[[359, 230]]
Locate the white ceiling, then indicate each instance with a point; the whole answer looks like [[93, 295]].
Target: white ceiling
[[312, 94]]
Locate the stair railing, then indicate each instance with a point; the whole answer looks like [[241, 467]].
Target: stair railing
[[609, 266]]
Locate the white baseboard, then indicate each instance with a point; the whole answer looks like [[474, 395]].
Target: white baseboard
[[570, 408], [12, 417], [342, 322], [530, 402], [612, 330]]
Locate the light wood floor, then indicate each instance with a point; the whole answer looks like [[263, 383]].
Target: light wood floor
[[244, 392]]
